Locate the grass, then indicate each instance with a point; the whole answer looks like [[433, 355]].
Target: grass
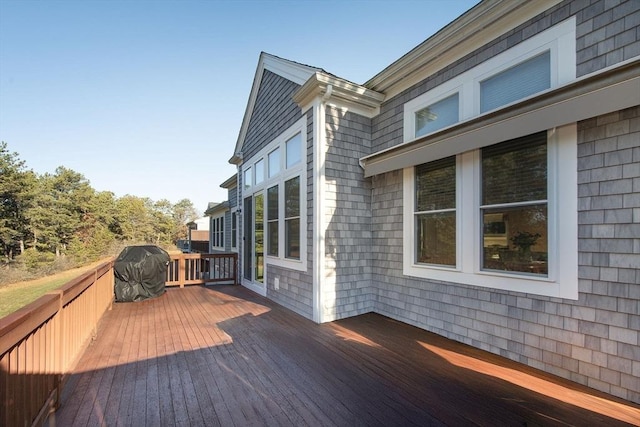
[[16, 295]]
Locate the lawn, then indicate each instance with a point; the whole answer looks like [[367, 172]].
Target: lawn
[[16, 295]]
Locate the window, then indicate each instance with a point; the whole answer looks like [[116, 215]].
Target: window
[[544, 61], [293, 150], [259, 168], [292, 218], [217, 233], [281, 198], [437, 116], [247, 178], [234, 230], [435, 215], [274, 163], [514, 206], [518, 82], [272, 221], [515, 209]]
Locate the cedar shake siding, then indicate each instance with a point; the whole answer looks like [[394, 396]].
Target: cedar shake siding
[[274, 111]]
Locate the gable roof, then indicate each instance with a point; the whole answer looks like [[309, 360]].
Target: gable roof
[[290, 70]]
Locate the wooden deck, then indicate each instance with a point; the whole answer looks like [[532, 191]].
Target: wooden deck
[[224, 356]]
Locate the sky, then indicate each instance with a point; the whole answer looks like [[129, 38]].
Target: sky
[[146, 97]]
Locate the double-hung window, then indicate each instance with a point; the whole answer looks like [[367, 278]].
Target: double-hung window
[[435, 216], [514, 206], [272, 221]]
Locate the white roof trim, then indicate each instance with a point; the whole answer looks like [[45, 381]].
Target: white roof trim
[[478, 26], [610, 90], [293, 71], [339, 92]]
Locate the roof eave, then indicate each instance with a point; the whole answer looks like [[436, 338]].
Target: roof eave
[[484, 22]]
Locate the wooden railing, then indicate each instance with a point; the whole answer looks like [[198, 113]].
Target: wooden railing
[[41, 342], [195, 269]]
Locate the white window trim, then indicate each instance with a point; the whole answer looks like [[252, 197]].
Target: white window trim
[[234, 212], [562, 280], [559, 40], [299, 169], [214, 231]]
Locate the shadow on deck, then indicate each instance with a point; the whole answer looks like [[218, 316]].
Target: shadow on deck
[[222, 355]]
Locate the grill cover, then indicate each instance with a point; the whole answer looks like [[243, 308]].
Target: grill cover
[[140, 273]]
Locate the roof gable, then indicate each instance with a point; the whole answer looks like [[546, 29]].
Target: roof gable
[[292, 71]]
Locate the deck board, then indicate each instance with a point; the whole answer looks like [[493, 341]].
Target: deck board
[[224, 356]]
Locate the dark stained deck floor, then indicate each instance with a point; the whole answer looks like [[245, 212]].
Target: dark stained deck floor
[[224, 356]]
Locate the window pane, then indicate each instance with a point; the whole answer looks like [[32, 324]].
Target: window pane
[[294, 152], [436, 243], [247, 178], [259, 171], [272, 203], [515, 239], [292, 238], [292, 197], [272, 237], [517, 82], [272, 218], [438, 115], [436, 185], [234, 230], [515, 171], [274, 162], [258, 226]]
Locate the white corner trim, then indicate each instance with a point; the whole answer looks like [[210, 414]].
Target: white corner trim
[[318, 229]]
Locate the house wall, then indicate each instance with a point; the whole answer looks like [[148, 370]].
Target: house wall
[[274, 111], [347, 210], [295, 289], [233, 202], [593, 340]]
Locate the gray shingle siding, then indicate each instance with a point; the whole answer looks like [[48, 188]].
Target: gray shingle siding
[[274, 111], [348, 212]]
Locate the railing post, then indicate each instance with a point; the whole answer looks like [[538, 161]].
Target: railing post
[[182, 264]]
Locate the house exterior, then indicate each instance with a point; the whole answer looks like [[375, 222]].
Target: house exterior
[[485, 187], [223, 220]]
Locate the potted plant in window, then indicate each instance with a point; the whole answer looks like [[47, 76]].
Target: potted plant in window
[[524, 240]]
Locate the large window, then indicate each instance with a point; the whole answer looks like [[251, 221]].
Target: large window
[[436, 212], [514, 206], [280, 195], [503, 216]]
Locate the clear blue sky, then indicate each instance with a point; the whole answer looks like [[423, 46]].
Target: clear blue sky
[[147, 97]]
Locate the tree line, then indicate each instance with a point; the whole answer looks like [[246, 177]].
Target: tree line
[[44, 217]]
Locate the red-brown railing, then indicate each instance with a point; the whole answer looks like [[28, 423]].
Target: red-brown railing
[[41, 343], [195, 269]]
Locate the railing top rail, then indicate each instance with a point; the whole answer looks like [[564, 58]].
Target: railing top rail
[[201, 256], [17, 325]]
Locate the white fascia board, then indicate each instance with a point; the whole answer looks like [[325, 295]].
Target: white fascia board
[[605, 92], [340, 93], [480, 25], [293, 71]]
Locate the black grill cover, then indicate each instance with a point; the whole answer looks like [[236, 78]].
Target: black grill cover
[[140, 273]]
